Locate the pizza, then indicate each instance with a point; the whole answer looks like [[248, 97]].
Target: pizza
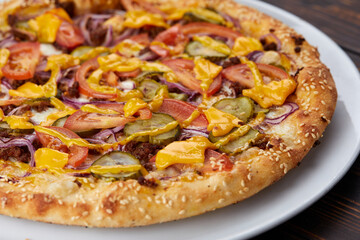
[[129, 113]]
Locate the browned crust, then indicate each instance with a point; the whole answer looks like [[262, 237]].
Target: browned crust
[[124, 204]]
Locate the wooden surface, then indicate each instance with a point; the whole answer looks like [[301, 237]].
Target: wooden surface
[[337, 214]]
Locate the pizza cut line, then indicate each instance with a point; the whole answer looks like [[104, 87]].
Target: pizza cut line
[[129, 113]]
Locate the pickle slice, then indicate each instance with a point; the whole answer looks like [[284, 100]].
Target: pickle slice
[[149, 88], [5, 128], [157, 120], [242, 107], [117, 158], [195, 48], [238, 145]]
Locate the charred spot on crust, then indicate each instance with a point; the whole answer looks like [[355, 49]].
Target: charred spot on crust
[[298, 40], [297, 72], [297, 49], [147, 182], [272, 30]]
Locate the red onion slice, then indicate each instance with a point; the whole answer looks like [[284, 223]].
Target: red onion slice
[[20, 142], [255, 56], [187, 133], [281, 113]]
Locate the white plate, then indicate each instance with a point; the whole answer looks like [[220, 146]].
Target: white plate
[[320, 170]]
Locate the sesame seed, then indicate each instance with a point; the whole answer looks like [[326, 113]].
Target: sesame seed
[[241, 192], [85, 213], [181, 212], [198, 200], [148, 217], [149, 199], [228, 193], [60, 202], [221, 200], [307, 135], [183, 198], [246, 189], [313, 135], [242, 183], [109, 211], [224, 184], [141, 210]]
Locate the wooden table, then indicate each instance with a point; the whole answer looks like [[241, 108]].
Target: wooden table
[[337, 214]]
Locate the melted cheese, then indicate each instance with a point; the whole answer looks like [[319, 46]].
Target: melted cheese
[[169, 75], [191, 151], [245, 45], [128, 48], [133, 105], [191, 118], [50, 158], [46, 27], [220, 123], [267, 95], [4, 56], [140, 18], [241, 131], [94, 109], [19, 122], [205, 71], [157, 101]]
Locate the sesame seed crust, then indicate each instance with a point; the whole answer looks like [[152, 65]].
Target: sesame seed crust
[[128, 204]]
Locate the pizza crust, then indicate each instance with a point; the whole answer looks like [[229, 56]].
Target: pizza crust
[[61, 200]]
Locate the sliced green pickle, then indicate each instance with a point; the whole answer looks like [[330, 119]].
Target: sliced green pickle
[[195, 17], [195, 48], [149, 89], [60, 122], [238, 145], [157, 120], [79, 51], [242, 107], [147, 76], [5, 128], [179, 96], [116, 158]]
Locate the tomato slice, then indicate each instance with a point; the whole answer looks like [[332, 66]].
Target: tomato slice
[[241, 73], [209, 28], [181, 111], [183, 69], [22, 61], [84, 87], [172, 37], [15, 101], [142, 39], [69, 35], [84, 121], [215, 161], [131, 74], [77, 154]]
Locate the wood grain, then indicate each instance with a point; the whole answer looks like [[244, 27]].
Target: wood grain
[[337, 214]]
